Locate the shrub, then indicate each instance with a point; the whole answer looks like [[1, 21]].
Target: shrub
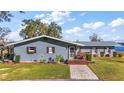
[[102, 54], [88, 56], [114, 54], [59, 58], [95, 55], [17, 58], [80, 54], [107, 55], [120, 54]]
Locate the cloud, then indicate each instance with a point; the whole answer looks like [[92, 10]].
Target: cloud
[[88, 31], [83, 13], [14, 36], [39, 16], [71, 19], [94, 25], [113, 30], [74, 30], [117, 22], [59, 17], [116, 38], [104, 36], [110, 37]]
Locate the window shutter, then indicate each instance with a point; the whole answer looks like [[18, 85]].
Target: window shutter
[[35, 50], [27, 50], [47, 49], [53, 49]]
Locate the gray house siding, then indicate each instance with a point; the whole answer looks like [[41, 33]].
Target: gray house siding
[[60, 49]]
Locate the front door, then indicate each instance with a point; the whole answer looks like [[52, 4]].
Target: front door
[[71, 52]]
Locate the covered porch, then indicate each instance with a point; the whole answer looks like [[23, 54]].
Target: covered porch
[[6, 53], [76, 55]]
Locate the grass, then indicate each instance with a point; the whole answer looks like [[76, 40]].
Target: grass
[[108, 68], [33, 71]]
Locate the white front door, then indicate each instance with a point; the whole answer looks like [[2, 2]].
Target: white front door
[[71, 52]]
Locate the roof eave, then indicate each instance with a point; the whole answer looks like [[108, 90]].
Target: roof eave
[[78, 44]]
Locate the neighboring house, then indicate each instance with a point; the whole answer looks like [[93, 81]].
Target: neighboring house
[[121, 43], [120, 48], [48, 47]]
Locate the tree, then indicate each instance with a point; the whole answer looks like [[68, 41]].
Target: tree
[[4, 31], [33, 28], [54, 30], [6, 16], [95, 38]]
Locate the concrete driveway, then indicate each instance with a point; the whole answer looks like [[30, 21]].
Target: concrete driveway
[[82, 72]]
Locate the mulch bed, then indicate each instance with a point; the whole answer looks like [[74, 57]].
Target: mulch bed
[[79, 62]]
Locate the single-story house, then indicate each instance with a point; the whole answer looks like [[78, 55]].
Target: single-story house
[[48, 47]]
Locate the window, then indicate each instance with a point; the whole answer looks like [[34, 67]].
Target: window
[[31, 50], [50, 50]]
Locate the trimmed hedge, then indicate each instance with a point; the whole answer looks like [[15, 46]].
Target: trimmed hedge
[[102, 54], [114, 54], [17, 58], [88, 56]]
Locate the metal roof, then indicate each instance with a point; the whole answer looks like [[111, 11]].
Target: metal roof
[[101, 43], [79, 43], [38, 37]]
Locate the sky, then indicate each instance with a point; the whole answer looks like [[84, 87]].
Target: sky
[[76, 25]]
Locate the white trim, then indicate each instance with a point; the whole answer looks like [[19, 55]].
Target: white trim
[[42, 37], [74, 51]]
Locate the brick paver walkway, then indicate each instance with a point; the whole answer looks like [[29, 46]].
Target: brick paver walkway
[[82, 72]]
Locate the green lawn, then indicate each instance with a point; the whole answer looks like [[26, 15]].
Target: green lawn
[[33, 71], [108, 68]]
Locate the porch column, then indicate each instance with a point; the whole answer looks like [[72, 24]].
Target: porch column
[[77, 49], [111, 53], [2, 56], [98, 52], [8, 50]]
